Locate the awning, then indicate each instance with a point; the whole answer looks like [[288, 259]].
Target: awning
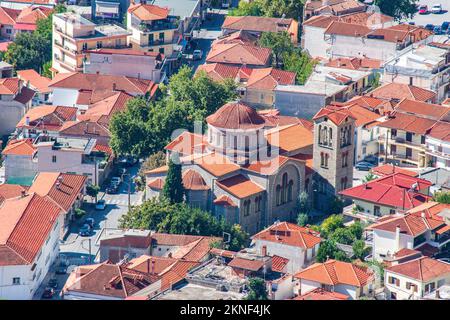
[[24, 26], [443, 229], [109, 8]]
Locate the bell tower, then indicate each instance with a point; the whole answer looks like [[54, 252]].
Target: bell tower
[[333, 154]]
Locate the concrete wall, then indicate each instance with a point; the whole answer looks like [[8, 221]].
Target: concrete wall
[[11, 113], [314, 43], [384, 243], [19, 166], [297, 104]]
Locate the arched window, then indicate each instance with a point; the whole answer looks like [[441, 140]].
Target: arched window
[[330, 137], [320, 134], [278, 195], [290, 190], [246, 208], [284, 188], [247, 143], [258, 203]]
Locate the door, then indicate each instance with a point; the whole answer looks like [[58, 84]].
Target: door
[[408, 153]]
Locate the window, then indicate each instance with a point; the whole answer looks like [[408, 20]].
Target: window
[[258, 200], [429, 287], [344, 159], [278, 195], [393, 133], [8, 31], [99, 44], [161, 36], [246, 208], [392, 211], [290, 189], [411, 80], [284, 188], [394, 281], [422, 139], [84, 47], [150, 39], [411, 286], [16, 280], [161, 50], [54, 159], [376, 210], [409, 136]]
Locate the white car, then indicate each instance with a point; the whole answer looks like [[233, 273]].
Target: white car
[[436, 8]]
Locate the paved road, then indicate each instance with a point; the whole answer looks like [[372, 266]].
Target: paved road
[[430, 18]]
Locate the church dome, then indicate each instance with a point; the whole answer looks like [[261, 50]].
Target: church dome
[[192, 180], [236, 115]]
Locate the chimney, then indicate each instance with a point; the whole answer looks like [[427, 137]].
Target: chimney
[[27, 120], [148, 265], [114, 86], [264, 251], [24, 193], [422, 214], [153, 266]]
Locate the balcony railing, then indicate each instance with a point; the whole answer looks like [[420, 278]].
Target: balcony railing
[[66, 48]]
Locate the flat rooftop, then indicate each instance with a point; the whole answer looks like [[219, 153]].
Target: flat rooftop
[[423, 57], [313, 87], [180, 8], [191, 291], [73, 18]]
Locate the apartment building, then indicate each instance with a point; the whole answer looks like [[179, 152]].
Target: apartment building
[[404, 133], [73, 35], [437, 145], [426, 67]]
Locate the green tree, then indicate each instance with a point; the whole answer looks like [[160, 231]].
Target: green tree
[[280, 43], [330, 224], [336, 205], [154, 161], [359, 249], [173, 189], [300, 63], [356, 230], [343, 236], [92, 191], [329, 250], [302, 219], [399, 9], [245, 8], [257, 289], [369, 177], [442, 197], [277, 8], [46, 69]]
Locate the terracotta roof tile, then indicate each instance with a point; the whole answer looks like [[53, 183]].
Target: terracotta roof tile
[[322, 294], [254, 23], [246, 264], [289, 234], [224, 200], [409, 224], [399, 91], [236, 53], [240, 186], [290, 138], [219, 71], [333, 272], [236, 115], [347, 29], [22, 147], [192, 180], [47, 117], [422, 269], [388, 169], [269, 78], [279, 263], [148, 12]]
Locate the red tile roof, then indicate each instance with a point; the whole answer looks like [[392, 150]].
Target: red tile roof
[[192, 180], [25, 225], [63, 188], [409, 224], [320, 21], [440, 130], [422, 109], [289, 234], [236, 115], [431, 209], [37, 81], [395, 191], [222, 253], [110, 280], [355, 63], [388, 169], [238, 54], [422, 269], [224, 200], [240, 186], [290, 138], [187, 144], [269, 78], [407, 122], [22, 147], [8, 191], [246, 264], [240, 36], [347, 29], [399, 91], [322, 294], [336, 114], [148, 12], [279, 263], [256, 23], [219, 71], [156, 184], [45, 117], [333, 272], [9, 86]]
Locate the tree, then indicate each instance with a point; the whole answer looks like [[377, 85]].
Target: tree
[[330, 224], [399, 9], [146, 127], [277, 8], [359, 249], [442, 197], [154, 161], [245, 8], [300, 63], [279, 42], [257, 289], [336, 205], [173, 189], [369, 177], [179, 218], [302, 219], [92, 190], [342, 235], [329, 250], [46, 69]]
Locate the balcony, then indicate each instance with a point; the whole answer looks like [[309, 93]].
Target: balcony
[[155, 27], [400, 141], [355, 213], [65, 48], [437, 153]]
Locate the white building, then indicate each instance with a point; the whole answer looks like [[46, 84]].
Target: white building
[[425, 67], [416, 278], [298, 245], [437, 145], [125, 62], [27, 252]]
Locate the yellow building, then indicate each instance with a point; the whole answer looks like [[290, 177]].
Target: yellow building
[[73, 35]]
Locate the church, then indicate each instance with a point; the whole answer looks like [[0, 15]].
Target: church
[[250, 166]]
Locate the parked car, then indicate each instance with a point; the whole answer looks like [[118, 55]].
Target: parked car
[[412, 23], [100, 205], [61, 269], [225, 4], [48, 293], [127, 161], [112, 189], [445, 25], [197, 54], [438, 30], [53, 283], [436, 8], [371, 159], [429, 27], [423, 9], [364, 166], [85, 231], [90, 221]]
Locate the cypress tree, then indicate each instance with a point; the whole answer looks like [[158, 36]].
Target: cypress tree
[[173, 189]]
